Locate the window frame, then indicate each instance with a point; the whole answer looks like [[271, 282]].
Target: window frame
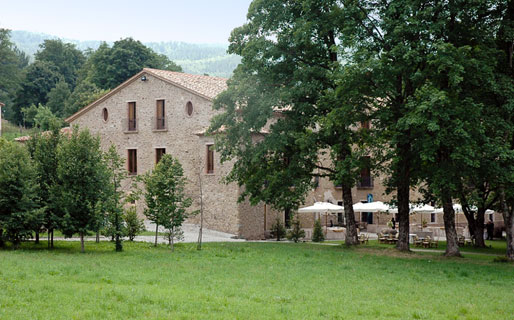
[[132, 161], [209, 163]]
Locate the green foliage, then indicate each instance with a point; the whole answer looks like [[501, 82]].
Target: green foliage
[[165, 196], [19, 214], [110, 66], [278, 231], [13, 61], [43, 151], [114, 196], [65, 56], [296, 233], [133, 224], [85, 93], [83, 179], [57, 98], [317, 233], [46, 120], [29, 113]]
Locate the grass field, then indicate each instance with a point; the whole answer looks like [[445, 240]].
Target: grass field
[[11, 131], [249, 281]]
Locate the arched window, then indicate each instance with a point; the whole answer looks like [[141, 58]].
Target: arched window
[[189, 108], [105, 114]]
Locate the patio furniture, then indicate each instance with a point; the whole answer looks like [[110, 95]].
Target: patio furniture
[[426, 242], [434, 243], [418, 242], [363, 238], [382, 238], [461, 241]]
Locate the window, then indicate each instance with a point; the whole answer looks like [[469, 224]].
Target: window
[[132, 125], [365, 124], [159, 152], [189, 108], [365, 181], [210, 158], [132, 161], [105, 114], [287, 218], [367, 217], [159, 116], [340, 217]]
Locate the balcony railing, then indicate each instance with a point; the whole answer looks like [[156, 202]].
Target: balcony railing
[[159, 123], [130, 125], [365, 182]]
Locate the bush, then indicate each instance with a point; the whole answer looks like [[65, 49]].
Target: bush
[[317, 234], [133, 224], [278, 231], [296, 233]]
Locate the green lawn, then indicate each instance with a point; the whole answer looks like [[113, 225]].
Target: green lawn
[[248, 281]]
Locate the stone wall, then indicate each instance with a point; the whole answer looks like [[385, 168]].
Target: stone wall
[[180, 140]]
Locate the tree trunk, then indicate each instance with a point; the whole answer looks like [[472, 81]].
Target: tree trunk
[[48, 239], [1, 237], [172, 236], [452, 246], [156, 234], [403, 195], [351, 237], [37, 237], [479, 228], [97, 240], [118, 245], [82, 242], [508, 218], [52, 240]]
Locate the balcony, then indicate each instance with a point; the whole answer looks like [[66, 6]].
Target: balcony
[[130, 125], [366, 182], [159, 124]]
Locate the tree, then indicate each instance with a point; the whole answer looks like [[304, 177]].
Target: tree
[[165, 197], [64, 56], [43, 151], [85, 93], [19, 214], [278, 231], [40, 78], [317, 233], [13, 62], [57, 98], [296, 232], [46, 120], [133, 224], [82, 178], [284, 123], [111, 66], [114, 197]]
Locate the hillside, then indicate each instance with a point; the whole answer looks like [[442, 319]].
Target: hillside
[[194, 58]]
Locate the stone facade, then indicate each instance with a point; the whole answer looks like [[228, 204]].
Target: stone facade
[[182, 138]]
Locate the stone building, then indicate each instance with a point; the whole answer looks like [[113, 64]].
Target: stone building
[[162, 112]]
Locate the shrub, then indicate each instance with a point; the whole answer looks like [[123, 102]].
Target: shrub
[[278, 231], [133, 224], [296, 233], [317, 234]]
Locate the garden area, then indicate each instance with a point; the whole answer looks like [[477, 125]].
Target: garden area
[[249, 281]]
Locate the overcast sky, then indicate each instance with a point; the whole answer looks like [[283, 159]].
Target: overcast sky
[[197, 21]]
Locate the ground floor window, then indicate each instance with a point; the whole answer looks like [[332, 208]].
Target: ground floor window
[[132, 161], [367, 217], [159, 152], [287, 218], [432, 217]]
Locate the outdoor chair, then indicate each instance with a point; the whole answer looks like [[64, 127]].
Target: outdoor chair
[[461, 241], [434, 243], [417, 241], [426, 242], [381, 238]]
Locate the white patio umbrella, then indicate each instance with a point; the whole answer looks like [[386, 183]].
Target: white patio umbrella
[[322, 207], [375, 206], [422, 209]]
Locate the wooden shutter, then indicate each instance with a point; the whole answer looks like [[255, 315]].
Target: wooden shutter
[[132, 116], [210, 158], [160, 115]]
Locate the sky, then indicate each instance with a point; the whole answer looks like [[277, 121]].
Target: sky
[[194, 21]]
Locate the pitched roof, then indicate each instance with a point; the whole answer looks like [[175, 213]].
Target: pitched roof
[[206, 87]]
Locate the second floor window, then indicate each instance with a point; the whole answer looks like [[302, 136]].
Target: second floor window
[[132, 161], [210, 158], [159, 152], [132, 124], [365, 181], [159, 116]]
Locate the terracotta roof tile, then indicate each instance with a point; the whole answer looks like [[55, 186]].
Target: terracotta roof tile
[[207, 86]]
